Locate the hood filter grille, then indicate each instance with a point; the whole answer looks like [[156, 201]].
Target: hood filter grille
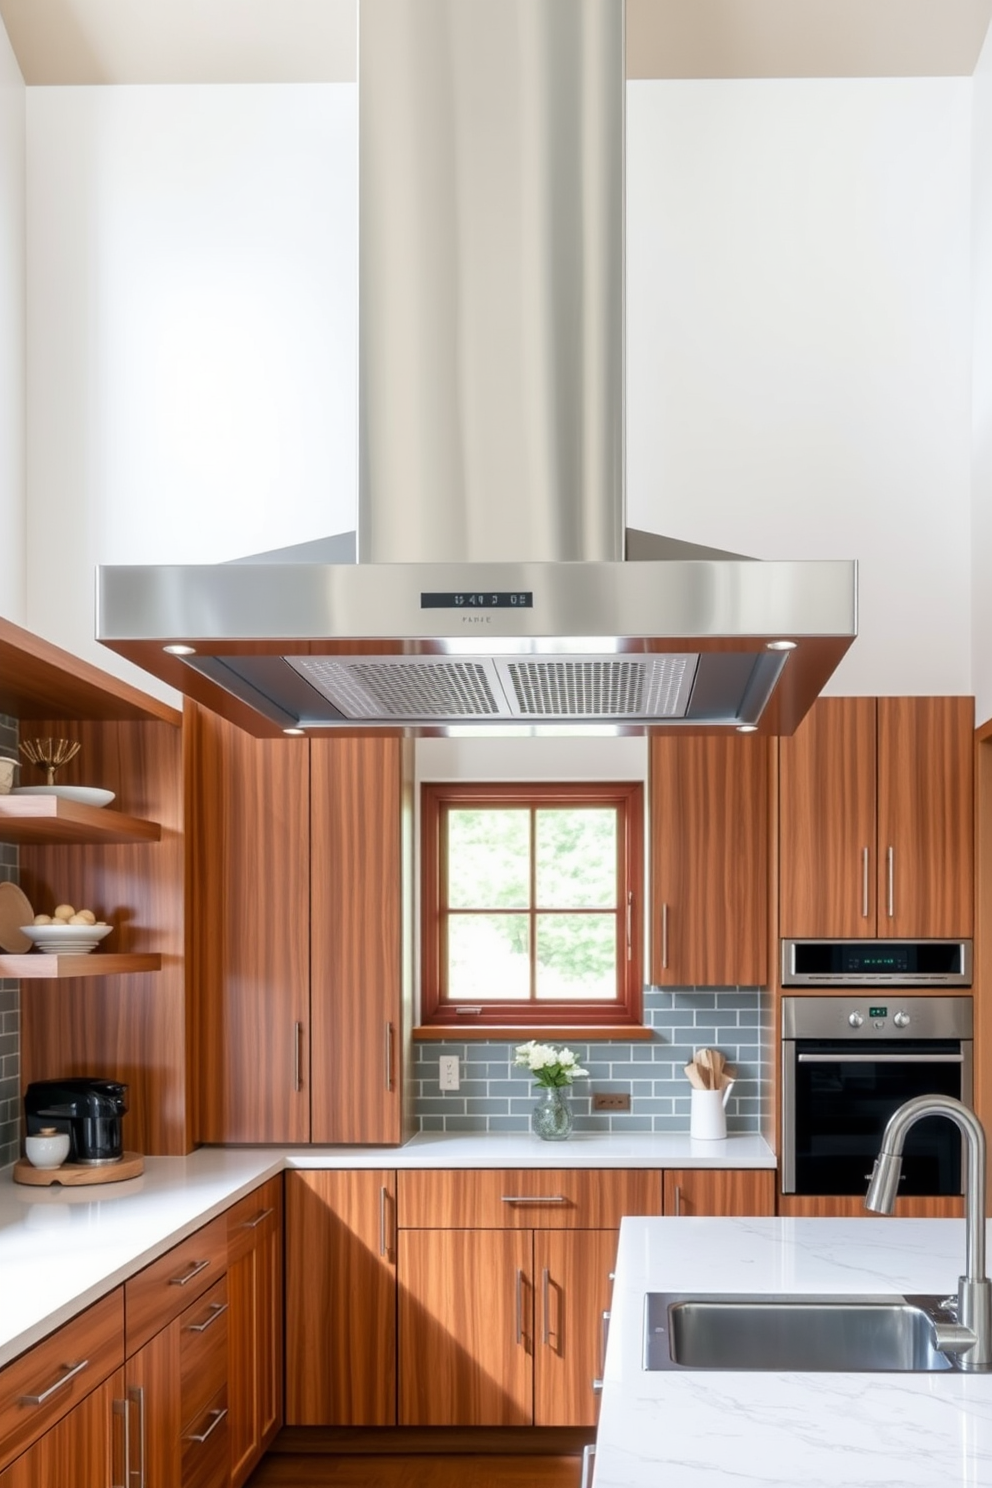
[[576, 687]]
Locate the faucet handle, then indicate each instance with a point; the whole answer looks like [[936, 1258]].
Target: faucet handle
[[948, 1304]]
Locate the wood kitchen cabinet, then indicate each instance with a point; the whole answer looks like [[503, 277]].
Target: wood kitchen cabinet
[[876, 819], [85, 1449], [255, 1327], [709, 860], [503, 1282], [154, 1408], [341, 1298], [693, 1192]]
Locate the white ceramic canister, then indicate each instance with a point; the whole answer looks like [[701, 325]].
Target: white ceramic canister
[[708, 1118], [48, 1149], [7, 768]]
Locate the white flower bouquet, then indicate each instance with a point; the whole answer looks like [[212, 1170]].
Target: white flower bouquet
[[548, 1065]]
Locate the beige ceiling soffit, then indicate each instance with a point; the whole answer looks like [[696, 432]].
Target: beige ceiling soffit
[[182, 41], [804, 38]]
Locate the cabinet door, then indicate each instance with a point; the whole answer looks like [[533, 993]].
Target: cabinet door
[[466, 1309], [356, 939], [85, 1449], [154, 1410], [250, 887], [925, 816], [707, 1191], [828, 862], [341, 1299], [254, 1288], [709, 861], [572, 1280]]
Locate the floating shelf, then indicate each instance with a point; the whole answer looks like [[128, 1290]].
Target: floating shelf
[[52, 819], [37, 966]]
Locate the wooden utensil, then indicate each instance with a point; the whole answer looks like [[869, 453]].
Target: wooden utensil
[[704, 1059], [694, 1076]]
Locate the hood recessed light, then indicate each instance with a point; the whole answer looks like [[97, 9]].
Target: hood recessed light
[[747, 728], [295, 733], [180, 650], [780, 645]]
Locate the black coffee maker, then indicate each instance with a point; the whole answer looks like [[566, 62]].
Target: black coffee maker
[[89, 1110]]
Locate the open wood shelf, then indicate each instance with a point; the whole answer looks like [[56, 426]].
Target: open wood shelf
[[51, 819], [40, 967]]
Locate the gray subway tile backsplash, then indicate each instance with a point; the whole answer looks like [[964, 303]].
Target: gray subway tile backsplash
[[496, 1096]]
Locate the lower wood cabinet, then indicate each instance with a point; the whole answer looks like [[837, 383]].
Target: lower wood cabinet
[[714, 1191], [255, 1325], [154, 1410], [341, 1298], [84, 1450]]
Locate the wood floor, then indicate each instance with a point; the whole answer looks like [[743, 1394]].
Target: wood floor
[[422, 1471]]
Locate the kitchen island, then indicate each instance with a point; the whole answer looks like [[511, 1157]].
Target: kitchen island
[[714, 1429]]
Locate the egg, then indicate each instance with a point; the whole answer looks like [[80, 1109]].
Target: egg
[[83, 917], [42, 919], [63, 912]]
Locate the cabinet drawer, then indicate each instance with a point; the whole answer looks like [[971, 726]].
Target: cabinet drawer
[[202, 1352], [525, 1198], [44, 1384], [166, 1288], [257, 1214], [207, 1447]]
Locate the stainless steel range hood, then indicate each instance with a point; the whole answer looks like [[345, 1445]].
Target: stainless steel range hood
[[492, 581]]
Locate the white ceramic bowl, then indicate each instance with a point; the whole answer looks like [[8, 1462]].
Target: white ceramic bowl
[[47, 1151], [86, 795], [66, 940]]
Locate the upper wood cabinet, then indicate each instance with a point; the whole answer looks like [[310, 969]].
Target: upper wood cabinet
[[709, 860], [876, 819]]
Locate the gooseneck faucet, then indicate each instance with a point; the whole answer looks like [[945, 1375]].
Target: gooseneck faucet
[[970, 1337]]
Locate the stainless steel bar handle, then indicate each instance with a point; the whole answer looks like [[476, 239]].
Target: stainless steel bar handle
[[588, 1453], [383, 1248], [664, 937], [297, 1056], [532, 1198], [217, 1309], [520, 1305], [137, 1395], [389, 1056], [218, 1416], [880, 1058], [891, 859], [545, 1289], [120, 1408], [630, 920], [864, 883], [69, 1372], [195, 1267], [606, 1338], [678, 1200], [253, 1224]]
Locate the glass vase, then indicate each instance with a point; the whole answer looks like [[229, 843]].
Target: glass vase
[[552, 1118]]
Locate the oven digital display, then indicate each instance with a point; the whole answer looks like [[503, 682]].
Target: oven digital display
[[853, 960], [878, 1012], [479, 599], [859, 958]]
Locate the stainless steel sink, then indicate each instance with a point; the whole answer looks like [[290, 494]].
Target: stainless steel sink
[[804, 1333]]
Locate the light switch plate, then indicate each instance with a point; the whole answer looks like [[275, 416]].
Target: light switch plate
[[448, 1077]]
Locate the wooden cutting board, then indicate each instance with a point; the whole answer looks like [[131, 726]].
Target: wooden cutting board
[[76, 1175]]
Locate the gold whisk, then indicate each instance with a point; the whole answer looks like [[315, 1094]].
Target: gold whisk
[[49, 754]]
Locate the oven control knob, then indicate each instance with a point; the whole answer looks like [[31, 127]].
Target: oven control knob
[[902, 1020], [855, 1020]]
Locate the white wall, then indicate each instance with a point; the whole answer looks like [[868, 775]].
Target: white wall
[[192, 331], [799, 325], [12, 109], [981, 538], [799, 343]]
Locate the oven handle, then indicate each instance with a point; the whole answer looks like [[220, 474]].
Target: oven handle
[[880, 1058]]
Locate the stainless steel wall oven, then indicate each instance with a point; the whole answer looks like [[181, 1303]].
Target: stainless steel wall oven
[[847, 1063]]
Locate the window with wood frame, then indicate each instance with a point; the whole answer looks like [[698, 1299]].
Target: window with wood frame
[[532, 904]]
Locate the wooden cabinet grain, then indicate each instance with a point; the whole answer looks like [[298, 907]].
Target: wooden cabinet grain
[[572, 1299], [84, 1450], [709, 860], [341, 1298], [153, 1380], [255, 1295], [693, 1192], [876, 819]]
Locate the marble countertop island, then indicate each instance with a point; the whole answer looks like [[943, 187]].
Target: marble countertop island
[[721, 1429]]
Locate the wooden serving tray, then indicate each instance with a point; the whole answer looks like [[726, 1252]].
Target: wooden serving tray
[[74, 1175]]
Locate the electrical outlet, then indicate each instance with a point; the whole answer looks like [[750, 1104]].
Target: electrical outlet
[[606, 1102], [448, 1077]]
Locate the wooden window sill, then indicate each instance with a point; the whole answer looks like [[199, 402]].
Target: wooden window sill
[[627, 1033]]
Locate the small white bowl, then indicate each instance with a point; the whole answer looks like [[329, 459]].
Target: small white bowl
[[47, 1150], [66, 940]]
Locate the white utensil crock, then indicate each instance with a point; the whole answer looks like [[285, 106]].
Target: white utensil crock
[[708, 1120]]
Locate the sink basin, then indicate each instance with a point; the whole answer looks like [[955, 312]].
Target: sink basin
[[834, 1333]]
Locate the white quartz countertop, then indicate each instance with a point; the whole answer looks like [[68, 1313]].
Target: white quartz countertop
[[713, 1429], [61, 1249]]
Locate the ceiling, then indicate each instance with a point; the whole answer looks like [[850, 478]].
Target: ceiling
[[301, 41]]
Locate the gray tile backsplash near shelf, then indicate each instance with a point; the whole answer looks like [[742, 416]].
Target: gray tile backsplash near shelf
[[496, 1096], [10, 1018]]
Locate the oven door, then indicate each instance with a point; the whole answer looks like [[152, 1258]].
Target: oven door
[[837, 1100]]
